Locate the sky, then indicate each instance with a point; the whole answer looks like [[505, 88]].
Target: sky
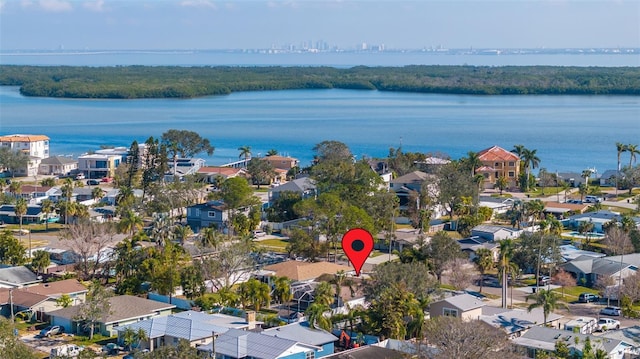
[[260, 24]]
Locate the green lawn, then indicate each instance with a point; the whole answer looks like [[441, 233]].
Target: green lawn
[[572, 293], [274, 245]]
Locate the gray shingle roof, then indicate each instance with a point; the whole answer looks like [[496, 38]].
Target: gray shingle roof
[[18, 276], [464, 302], [545, 338], [240, 344], [57, 160], [298, 185], [302, 334], [122, 307]]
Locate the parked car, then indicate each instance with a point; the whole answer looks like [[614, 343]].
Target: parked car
[[65, 351], [592, 199], [544, 280], [51, 330], [613, 311], [258, 233], [80, 176], [605, 324], [112, 348], [93, 182], [588, 298], [107, 180]]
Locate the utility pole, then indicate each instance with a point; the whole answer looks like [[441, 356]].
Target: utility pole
[[213, 344], [11, 304]]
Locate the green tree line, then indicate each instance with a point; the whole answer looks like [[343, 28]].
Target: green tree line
[[128, 82]]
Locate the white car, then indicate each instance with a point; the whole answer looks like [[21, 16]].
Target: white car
[[613, 311], [605, 324]]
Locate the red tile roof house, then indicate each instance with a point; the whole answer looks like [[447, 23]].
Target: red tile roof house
[[498, 162]]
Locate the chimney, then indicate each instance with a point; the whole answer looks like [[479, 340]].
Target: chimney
[[250, 317]]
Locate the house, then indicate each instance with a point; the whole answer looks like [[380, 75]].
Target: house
[[124, 309], [471, 245], [302, 333], [81, 194], [464, 306], [495, 233], [57, 165], [304, 186], [432, 164], [574, 179], [588, 270], [569, 252], [111, 196], [239, 344], [34, 214], [563, 210], [34, 194], [32, 145], [369, 352], [212, 173], [181, 167], [282, 162], [99, 165], [598, 218], [209, 214], [517, 321], [540, 340], [497, 205], [381, 168], [630, 335], [305, 271], [496, 163], [404, 185], [18, 277], [608, 178], [197, 328], [41, 298]]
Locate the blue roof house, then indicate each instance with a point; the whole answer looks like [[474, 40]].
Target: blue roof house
[[302, 333], [239, 344]]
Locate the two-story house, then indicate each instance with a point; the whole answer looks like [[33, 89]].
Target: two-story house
[[34, 146], [209, 214], [498, 162], [98, 165]]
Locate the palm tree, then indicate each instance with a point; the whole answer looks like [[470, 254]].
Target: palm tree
[[501, 183], [633, 151], [484, 261], [547, 300], [46, 206], [67, 192], [340, 280], [282, 290], [323, 294], [620, 148], [531, 161], [209, 237], [272, 152], [506, 252], [130, 223], [316, 318], [97, 193], [20, 210], [245, 151], [182, 233], [586, 174], [473, 161]]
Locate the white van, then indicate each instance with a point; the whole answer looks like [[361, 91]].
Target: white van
[[592, 199]]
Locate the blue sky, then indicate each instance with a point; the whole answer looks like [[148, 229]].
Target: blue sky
[[242, 24]]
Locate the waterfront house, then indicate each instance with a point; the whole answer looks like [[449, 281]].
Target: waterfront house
[[33, 145], [99, 165], [498, 162], [282, 162], [574, 179], [608, 178], [57, 165], [181, 167]]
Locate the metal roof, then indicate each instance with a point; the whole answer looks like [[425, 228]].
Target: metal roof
[[302, 333]]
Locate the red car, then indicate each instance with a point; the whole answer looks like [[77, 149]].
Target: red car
[[107, 180]]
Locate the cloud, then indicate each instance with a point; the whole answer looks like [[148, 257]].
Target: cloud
[[97, 6], [55, 5], [199, 3]]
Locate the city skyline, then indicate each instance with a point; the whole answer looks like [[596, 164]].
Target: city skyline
[[322, 25]]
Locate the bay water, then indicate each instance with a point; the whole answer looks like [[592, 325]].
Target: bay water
[[570, 133]]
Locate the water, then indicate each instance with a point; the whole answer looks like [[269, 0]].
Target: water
[[570, 133]]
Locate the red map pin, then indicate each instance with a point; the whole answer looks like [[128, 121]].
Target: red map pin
[[357, 244]]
